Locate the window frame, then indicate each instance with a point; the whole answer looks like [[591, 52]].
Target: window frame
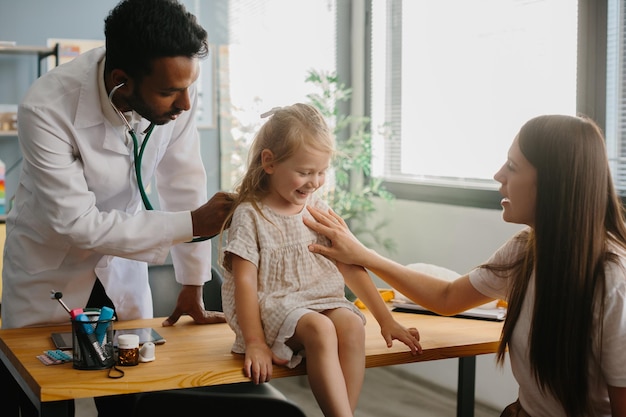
[[590, 100]]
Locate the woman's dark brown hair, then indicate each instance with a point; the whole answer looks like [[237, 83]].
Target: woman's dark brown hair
[[578, 215]]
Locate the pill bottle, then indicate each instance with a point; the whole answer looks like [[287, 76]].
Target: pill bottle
[[128, 349]]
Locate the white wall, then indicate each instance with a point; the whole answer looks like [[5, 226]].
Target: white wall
[[457, 238]]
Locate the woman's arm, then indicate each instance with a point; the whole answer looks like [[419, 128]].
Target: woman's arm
[[360, 283], [440, 296]]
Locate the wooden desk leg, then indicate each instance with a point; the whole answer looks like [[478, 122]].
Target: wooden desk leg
[[466, 387]]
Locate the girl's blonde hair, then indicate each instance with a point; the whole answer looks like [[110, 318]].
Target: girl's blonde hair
[[284, 133]]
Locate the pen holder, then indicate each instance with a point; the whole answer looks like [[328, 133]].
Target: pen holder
[[92, 342]]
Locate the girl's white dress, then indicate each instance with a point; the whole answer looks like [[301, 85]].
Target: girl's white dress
[[292, 281]]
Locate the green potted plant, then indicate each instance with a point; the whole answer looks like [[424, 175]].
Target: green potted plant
[[351, 194]]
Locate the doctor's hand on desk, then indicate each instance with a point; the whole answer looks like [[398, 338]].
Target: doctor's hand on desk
[[208, 219], [190, 302]]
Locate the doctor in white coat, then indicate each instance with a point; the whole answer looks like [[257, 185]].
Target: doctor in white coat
[[78, 214]]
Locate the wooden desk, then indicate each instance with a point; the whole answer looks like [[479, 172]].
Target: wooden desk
[[196, 355]]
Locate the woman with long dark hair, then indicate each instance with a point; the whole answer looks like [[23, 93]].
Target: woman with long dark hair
[[564, 276]]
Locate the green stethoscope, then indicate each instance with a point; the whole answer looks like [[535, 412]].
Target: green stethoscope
[[138, 154]]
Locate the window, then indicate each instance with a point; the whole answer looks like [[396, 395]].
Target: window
[[453, 81], [271, 47], [448, 83], [615, 96]]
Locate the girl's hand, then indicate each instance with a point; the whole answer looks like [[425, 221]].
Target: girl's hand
[[410, 337], [345, 247], [258, 362]]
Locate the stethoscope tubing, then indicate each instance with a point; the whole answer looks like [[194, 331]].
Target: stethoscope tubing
[[137, 150], [138, 155]]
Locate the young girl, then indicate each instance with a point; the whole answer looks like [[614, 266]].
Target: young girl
[[564, 276], [281, 300]]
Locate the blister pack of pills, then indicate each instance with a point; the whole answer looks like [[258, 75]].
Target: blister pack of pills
[[54, 357]]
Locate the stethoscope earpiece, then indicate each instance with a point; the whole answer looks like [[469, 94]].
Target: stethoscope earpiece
[[119, 113], [138, 153]]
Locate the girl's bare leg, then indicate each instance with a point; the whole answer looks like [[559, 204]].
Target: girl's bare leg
[[351, 343], [316, 332]]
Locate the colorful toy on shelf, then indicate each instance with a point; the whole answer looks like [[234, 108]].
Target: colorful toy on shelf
[[2, 189]]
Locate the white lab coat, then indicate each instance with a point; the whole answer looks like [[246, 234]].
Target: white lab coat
[[77, 212]]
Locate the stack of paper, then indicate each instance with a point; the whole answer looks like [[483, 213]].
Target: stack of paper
[[487, 312], [495, 310]]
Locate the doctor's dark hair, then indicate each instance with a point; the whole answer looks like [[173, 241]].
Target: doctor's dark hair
[[139, 31]]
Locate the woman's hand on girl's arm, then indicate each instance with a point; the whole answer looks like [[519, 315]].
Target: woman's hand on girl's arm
[[344, 246]]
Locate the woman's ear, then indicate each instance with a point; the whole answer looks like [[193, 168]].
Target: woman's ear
[[267, 161]]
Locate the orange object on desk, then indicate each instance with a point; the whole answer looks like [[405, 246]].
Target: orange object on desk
[[386, 294]]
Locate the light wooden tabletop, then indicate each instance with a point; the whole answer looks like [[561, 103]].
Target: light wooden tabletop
[[199, 355]]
